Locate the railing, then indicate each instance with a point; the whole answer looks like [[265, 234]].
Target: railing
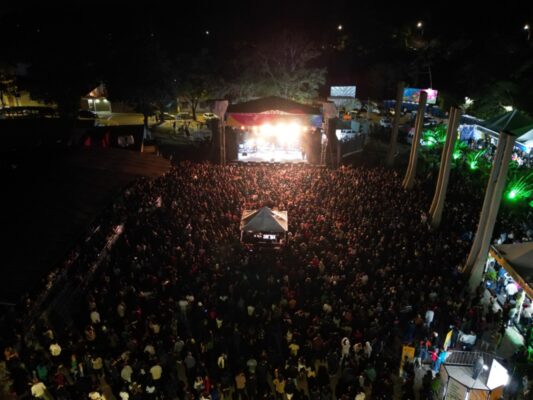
[[468, 358]]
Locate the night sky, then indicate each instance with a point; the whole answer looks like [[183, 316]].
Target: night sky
[[480, 41]]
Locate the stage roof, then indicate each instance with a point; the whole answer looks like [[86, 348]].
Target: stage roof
[[517, 259], [53, 198], [272, 103], [264, 220]]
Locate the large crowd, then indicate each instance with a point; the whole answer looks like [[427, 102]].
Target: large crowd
[[179, 308]]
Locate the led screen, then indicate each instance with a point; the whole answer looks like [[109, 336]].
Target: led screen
[[412, 95]]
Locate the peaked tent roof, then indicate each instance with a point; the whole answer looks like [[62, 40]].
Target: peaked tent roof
[[518, 261], [272, 103], [527, 136], [264, 220], [513, 122]]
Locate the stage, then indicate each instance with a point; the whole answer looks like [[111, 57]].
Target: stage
[[271, 155]]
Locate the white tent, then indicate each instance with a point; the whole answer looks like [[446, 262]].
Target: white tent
[[527, 138], [264, 220], [517, 259]]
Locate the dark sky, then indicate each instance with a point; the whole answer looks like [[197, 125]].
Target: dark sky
[[371, 29], [183, 21]]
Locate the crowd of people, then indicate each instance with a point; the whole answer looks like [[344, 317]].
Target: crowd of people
[[179, 308]]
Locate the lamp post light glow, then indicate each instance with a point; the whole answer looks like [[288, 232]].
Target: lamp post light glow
[[339, 27], [521, 188], [420, 27], [473, 159]]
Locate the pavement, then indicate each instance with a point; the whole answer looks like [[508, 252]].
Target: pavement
[[166, 133]]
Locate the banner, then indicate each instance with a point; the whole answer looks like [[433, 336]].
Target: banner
[[329, 110], [220, 108], [448, 340], [408, 353], [412, 95]]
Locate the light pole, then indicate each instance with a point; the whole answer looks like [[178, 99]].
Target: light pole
[[528, 31], [425, 49], [420, 27]]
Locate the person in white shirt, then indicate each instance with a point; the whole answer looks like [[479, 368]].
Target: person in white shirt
[[38, 389], [55, 349], [511, 289], [430, 314], [96, 396], [121, 309], [95, 317], [368, 350], [149, 349], [345, 347], [221, 362], [156, 371], [150, 388], [126, 373], [154, 326]]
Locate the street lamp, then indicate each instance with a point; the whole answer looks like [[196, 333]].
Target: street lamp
[[420, 27], [339, 27], [207, 33], [528, 30]]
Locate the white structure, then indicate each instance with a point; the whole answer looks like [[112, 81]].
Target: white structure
[[264, 226]]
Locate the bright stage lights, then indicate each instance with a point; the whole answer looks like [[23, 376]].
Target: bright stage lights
[[284, 133], [280, 141], [266, 130]]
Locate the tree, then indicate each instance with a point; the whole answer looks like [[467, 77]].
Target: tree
[[199, 80], [60, 71], [62, 81], [7, 82], [492, 98], [284, 68], [141, 75]]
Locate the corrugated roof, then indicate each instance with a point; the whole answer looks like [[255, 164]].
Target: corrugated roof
[[272, 103]]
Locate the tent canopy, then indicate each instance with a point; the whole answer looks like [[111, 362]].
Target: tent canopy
[[264, 220], [517, 259], [527, 137], [513, 122]]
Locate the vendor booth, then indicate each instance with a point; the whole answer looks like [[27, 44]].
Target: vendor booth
[[520, 125], [472, 375], [510, 279], [264, 226]]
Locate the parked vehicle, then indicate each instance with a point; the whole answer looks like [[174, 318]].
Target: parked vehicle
[[86, 114], [207, 116], [410, 135], [430, 122], [167, 116], [385, 122], [184, 115]]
